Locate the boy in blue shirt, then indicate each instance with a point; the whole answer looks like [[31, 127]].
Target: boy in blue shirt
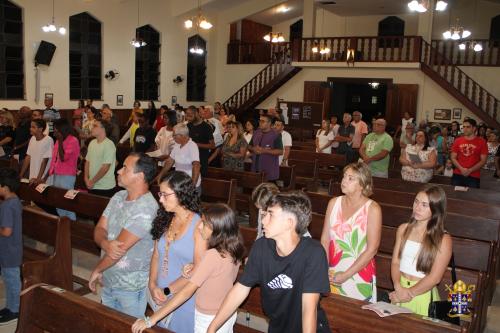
[[11, 243]]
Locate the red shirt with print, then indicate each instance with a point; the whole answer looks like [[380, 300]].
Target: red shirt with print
[[469, 153]]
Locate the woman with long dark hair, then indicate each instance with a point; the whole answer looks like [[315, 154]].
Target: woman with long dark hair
[[421, 253], [177, 244], [214, 276], [151, 113], [64, 160]]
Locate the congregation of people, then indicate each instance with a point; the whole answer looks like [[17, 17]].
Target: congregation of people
[[187, 260]]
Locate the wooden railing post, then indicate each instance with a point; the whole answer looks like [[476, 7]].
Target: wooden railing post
[[296, 48], [417, 49]]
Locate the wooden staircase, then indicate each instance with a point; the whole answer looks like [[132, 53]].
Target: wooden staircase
[[262, 85], [461, 86]]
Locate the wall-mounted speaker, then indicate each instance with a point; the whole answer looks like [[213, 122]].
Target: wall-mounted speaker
[[44, 53]]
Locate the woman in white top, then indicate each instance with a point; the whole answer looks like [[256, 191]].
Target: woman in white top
[[164, 139], [404, 121], [324, 138], [421, 253], [418, 160]]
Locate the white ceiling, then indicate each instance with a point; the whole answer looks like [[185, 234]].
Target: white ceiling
[[366, 7], [271, 16]]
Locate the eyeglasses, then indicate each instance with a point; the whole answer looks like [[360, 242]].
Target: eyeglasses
[[164, 194]]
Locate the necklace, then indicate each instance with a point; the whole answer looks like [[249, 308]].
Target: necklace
[[170, 237]]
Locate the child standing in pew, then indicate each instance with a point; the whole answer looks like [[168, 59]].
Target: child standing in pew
[[215, 275], [291, 270], [421, 253], [11, 243]]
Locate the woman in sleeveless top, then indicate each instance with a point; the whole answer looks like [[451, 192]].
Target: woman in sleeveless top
[[421, 253], [177, 244], [351, 236]]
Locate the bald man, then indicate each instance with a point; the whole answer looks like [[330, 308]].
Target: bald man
[[376, 148]]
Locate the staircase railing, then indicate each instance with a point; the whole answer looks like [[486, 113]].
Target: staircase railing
[[489, 56], [473, 91], [280, 61]]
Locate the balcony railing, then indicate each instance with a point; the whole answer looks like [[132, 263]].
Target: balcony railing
[[489, 56]]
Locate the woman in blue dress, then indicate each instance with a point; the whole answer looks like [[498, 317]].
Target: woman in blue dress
[[177, 244]]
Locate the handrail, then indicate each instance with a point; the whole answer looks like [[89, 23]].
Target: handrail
[[489, 56], [486, 101]]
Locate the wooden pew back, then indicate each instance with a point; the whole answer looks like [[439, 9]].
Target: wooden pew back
[[46, 309], [55, 268]]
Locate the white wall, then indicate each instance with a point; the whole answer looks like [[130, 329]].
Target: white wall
[[430, 95], [119, 21]]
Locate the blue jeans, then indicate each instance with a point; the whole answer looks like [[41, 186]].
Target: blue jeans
[[132, 303], [460, 180], [66, 182], [12, 279]]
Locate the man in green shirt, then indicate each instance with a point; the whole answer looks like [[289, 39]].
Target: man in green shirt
[[99, 174], [376, 148]]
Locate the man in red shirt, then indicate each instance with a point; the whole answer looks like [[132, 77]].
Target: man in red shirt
[[468, 154]]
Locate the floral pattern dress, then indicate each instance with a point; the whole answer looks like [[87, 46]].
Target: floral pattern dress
[[347, 243]]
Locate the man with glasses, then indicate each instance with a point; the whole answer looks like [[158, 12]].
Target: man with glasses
[[201, 133], [99, 171], [468, 153], [266, 148], [123, 234], [375, 150]]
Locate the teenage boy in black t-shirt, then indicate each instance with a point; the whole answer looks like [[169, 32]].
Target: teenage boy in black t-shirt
[[144, 138], [292, 271], [201, 133]]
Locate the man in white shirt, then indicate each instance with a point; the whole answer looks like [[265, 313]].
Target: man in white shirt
[[286, 138], [185, 156], [39, 152]]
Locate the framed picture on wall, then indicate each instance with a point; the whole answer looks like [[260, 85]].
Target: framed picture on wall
[[174, 100], [49, 96], [119, 100], [442, 114], [457, 113]]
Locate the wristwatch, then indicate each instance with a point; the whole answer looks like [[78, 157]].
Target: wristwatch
[[166, 291]]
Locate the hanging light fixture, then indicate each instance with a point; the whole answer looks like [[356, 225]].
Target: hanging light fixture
[[422, 6], [323, 49], [456, 32], [137, 41], [472, 45], [52, 27], [199, 20], [274, 37]]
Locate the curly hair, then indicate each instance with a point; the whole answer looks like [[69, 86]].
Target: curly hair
[[182, 185], [226, 237]]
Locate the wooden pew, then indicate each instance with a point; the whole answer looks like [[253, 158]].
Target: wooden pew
[[48, 309], [465, 207], [329, 165], [306, 173], [246, 182], [473, 194], [54, 268], [458, 225], [345, 314], [287, 177]]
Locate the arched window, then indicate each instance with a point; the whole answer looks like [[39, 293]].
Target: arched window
[[147, 64], [85, 57], [390, 26], [11, 51], [495, 28], [196, 69]]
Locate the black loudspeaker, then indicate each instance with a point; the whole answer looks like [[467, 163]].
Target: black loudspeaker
[[44, 53]]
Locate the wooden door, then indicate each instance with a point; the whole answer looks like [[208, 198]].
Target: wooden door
[[318, 92], [401, 98]]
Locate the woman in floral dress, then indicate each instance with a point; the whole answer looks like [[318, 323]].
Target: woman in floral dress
[[351, 236]]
